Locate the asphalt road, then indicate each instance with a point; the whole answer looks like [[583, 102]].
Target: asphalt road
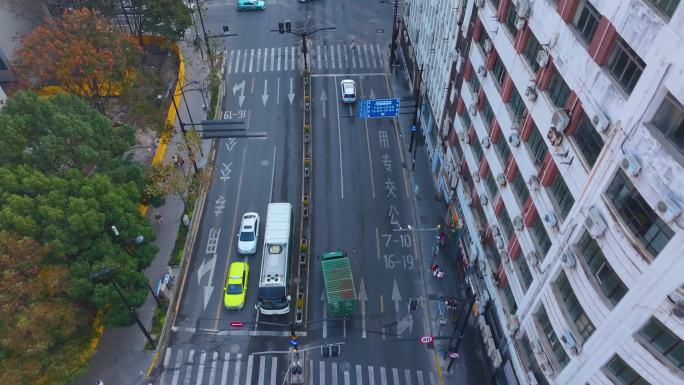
[[360, 195]]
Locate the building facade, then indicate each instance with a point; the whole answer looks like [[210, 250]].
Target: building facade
[[559, 146]]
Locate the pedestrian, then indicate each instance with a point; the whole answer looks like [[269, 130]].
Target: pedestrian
[[442, 236], [440, 273], [158, 217], [353, 44], [435, 270]]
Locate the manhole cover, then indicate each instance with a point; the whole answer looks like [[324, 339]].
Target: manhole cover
[[235, 348]]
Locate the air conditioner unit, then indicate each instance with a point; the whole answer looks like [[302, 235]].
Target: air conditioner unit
[[601, 122], [467, 199], [476, 176], [485, 142], [668, 209], [533, 258], [550, 219], [518, 223], [546, 368], [533, 182], [536, 348], [568, 259], [461, 136], [531, 379], [476, 99], [501, 180], [542, 58], [560, 120], [485, 201], [522, 7], [515, 125], [531, 93], [500, 244], [519, 23], [487, 46], [677, 300], [630, 165], [482, 71], [473, 109], [555, 137], [479, 3], [594, 222], [457, 170], [486, 331], [504, 256], [569, 340], [514, 139]]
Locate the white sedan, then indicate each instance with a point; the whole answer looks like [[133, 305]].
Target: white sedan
[[348, 88], [249, 233]]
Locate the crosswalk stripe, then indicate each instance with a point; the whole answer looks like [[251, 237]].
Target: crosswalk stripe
[[359, 380], [334, 373], [325, 56], [262, 367], [346, 56], [272, 58], [353, 53], [278, 67], [177, 369], [407, 374], [332, 57], [294, 56], [433, 380], [365, 53], [212, 370], [238, 363], [237, 61], [383, 376], [274, 369], [189, 371], [318, 55], [250, 362], [251, 59], [311, 370], [371, 376], [346, 377], [258, 60], [395, 376], [381, 57], [244, 62], [339, 56], [230, 62], [372, 49], [167, 357], [419, 374], [200, 373], [265, 58], [321, 367], [224, 372]]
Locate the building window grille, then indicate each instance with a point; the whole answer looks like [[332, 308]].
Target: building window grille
[[562, 195], [477, 149], [487, 115], [490, 185], [669, 119], [465, 119], [517, 105], [541, 236], [483, 37], [506, 224], [582, 322], [502, 150], [474, 84], [509, 298], [511, 16], [525, 273], [664, 341], [611, 284], [531, 48], [552, 338], [625, 65], [558, 90], [499, 71], [623, 373], [667, 7], [537, 147], [588, 140], [520, 188], [586, 20], [638, 216]]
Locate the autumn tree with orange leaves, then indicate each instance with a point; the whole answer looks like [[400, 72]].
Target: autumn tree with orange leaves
[[81, 53]]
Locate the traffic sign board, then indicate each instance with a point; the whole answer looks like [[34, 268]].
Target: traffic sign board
[[413, 128], [294, 342], [378, 108], [426, 339], [454, 355]]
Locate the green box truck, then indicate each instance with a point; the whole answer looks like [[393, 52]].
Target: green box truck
[[339, 284]]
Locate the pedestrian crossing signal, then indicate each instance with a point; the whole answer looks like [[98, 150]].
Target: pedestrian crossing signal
[[288, 26], [281, 28]]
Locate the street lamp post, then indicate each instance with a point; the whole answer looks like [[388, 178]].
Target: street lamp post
[[108, 274], [204, 31]]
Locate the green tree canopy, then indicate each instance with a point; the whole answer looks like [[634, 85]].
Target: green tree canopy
[[167, 18]]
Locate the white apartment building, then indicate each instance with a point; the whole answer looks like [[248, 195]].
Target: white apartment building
[[564, 166]]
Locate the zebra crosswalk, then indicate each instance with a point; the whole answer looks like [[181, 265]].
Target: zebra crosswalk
[[195, 367], [321, 57]]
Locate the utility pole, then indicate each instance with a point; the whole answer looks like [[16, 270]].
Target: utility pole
[[395, 31], [206, 37], [468, 310]]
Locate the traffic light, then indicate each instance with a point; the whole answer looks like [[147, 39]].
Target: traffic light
[[281, 28], [325, 351], [335, 350], [288, 26]]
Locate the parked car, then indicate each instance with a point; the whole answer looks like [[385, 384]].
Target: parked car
[[235, 291]]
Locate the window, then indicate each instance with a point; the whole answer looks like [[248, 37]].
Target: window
[[506, 224], [585, 20], [664, 342], [669, 119], [541, 236], [495, 3], [562, 195], [502, 149], [465, 119], [531, 48], [477, 149], [552, 338], [525, 273], [642, 221], [490, 185], [483, 37], [588, 140], [665, 6], [3, 66], [517, 105], [511, 16], [509, 298], [583, 324], [499, 71], [537, 147], [474, 84], [487, 115], [623, 373], [611, 284], [520, 188], [625, 65], [558, 90], [530, 361]]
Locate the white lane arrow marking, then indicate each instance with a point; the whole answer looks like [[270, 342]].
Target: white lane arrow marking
[[231, 143], [264, 97], [291, 95], [206, 267], [324, 97], [240, 87], [325, 315], [372, 94], [225, 171], [363, 298], [405, 323], [396, 297]]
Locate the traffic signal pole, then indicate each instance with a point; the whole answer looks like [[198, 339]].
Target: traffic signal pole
[[286, 27]]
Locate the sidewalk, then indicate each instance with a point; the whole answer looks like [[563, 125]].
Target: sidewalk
[[120, 357], [469, 368]]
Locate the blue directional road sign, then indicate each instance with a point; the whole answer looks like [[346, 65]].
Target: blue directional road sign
[[379, 108], [294, 343]]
